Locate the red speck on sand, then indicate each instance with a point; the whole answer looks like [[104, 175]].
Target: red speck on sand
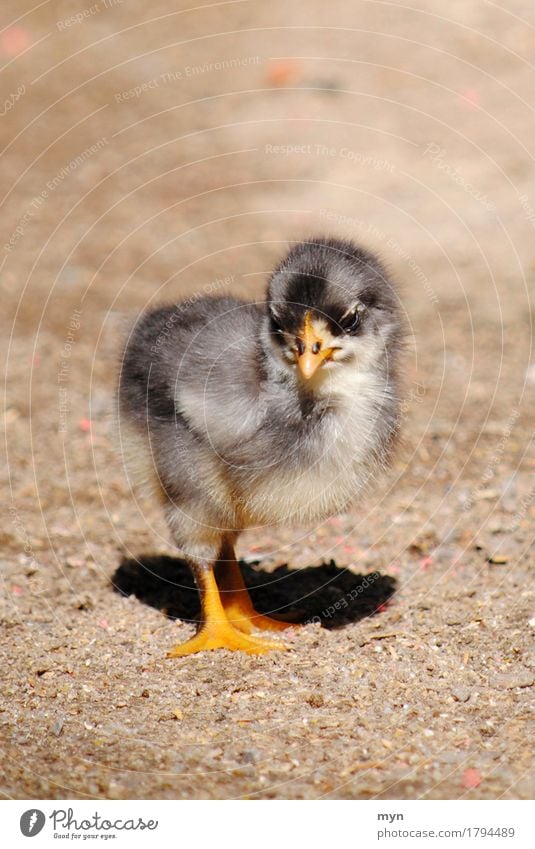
[[14, 40], [103, 623], [471, 778], [16, 590], [282, 72], [425, 563], [470, 96], [84, 425]]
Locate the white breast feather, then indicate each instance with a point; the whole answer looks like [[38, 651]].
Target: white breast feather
[[343, 466]]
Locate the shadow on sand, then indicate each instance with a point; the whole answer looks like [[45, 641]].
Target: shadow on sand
[[326, 593]]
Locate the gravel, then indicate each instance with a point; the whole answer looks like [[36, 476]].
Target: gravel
[[421, 686]]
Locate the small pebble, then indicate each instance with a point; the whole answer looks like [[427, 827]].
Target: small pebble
[[498, 559], [84, 602], [57, 727], [316, 700], [74, 562], [510, 680], [115, 790], [461, 694]]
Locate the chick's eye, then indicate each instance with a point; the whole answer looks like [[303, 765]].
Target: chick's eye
[[275, 325], [351, 323]]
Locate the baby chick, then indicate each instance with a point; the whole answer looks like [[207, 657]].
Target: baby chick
[[242, 414]]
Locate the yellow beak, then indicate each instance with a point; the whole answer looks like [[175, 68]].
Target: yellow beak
[[310, 354]]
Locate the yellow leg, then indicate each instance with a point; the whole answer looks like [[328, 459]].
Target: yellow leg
[[237, 603], [216, 631]]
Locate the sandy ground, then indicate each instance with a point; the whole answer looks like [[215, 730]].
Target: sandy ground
[[151, 154]]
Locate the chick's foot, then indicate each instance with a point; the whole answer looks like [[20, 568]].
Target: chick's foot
[[224, 635]]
